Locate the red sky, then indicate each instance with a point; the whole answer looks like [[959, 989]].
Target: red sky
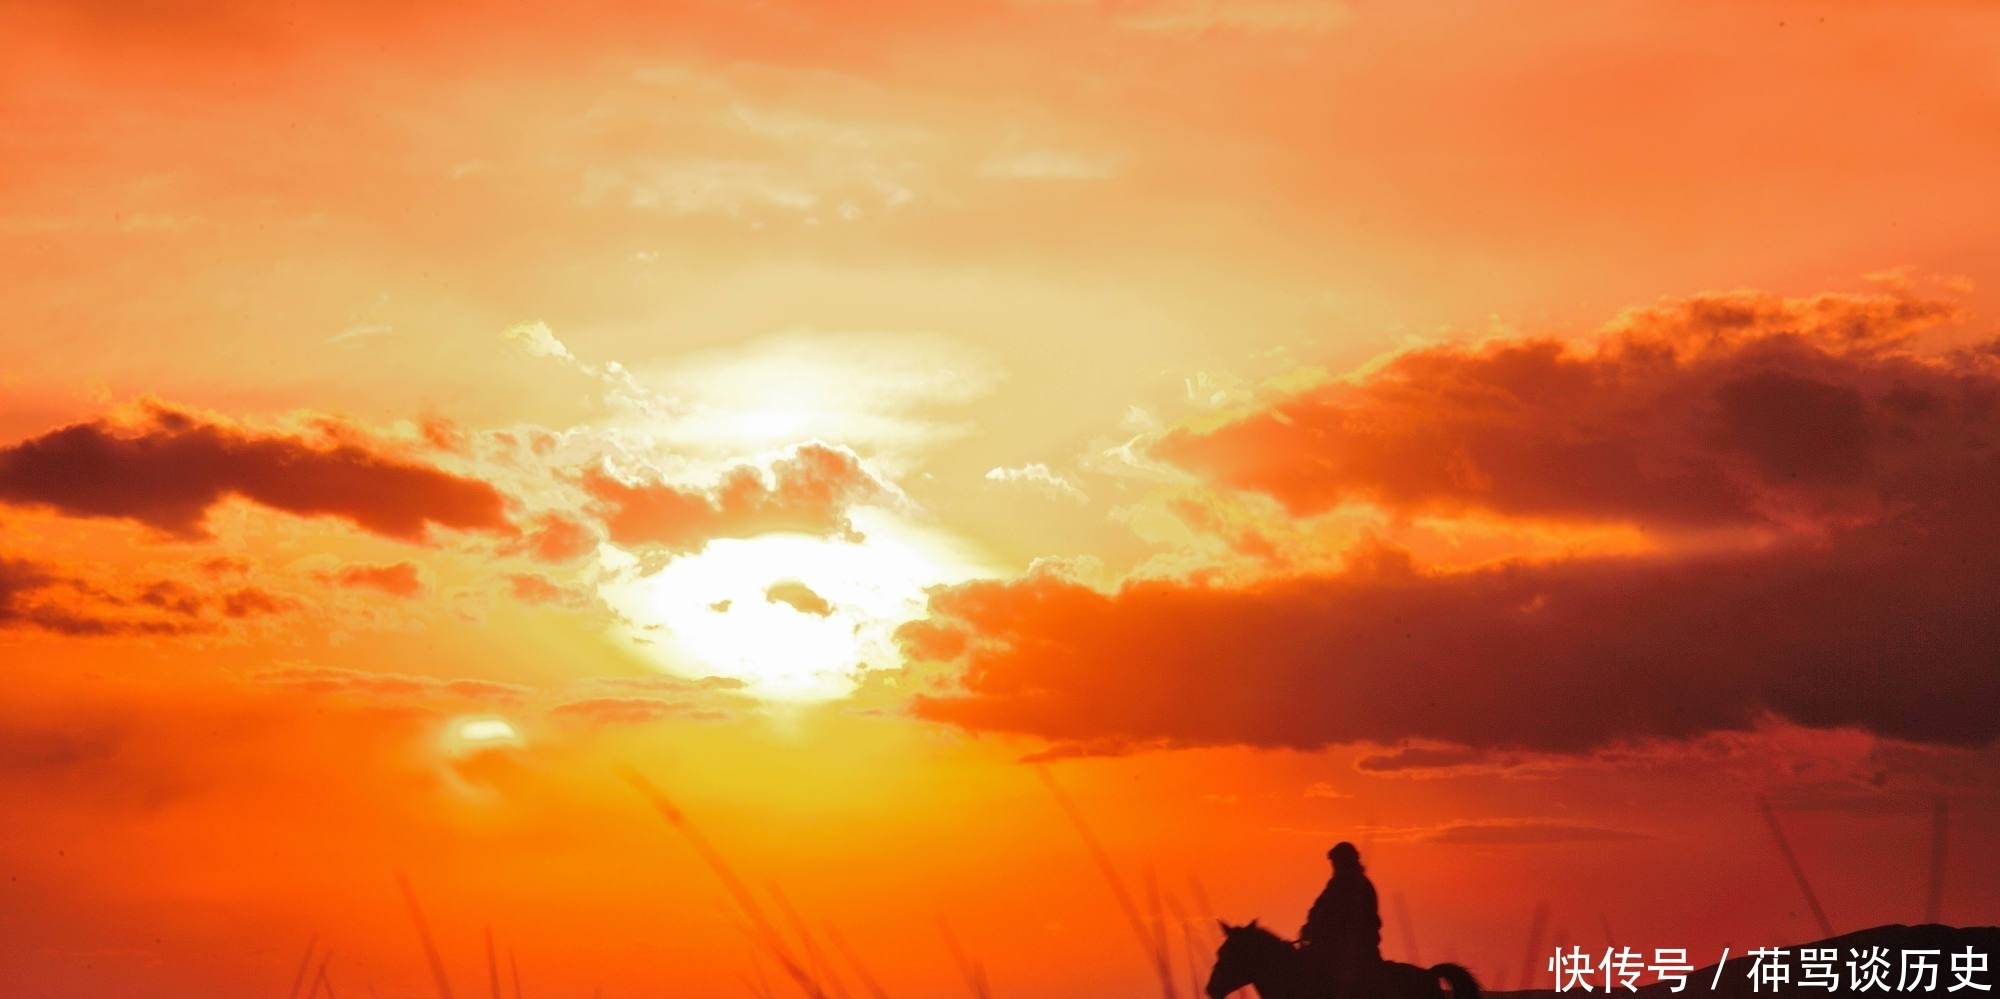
[[1513, 438]]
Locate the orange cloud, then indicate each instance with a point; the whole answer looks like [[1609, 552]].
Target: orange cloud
[[809, 490], [219, 566], [399, 579], [533, 589], [1516, 832], [251, 601], [394, 686], [557, 538], [170, 469], [40, 596], [634, 711], [1735, 409]]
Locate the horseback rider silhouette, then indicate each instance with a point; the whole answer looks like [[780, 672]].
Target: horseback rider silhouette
[[1342, 937]]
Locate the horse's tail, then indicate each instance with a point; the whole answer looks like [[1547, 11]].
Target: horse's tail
[[1462, 984]]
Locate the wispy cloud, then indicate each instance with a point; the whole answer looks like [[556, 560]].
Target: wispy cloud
[[1195, 17], [353, 335], [1041, 478]]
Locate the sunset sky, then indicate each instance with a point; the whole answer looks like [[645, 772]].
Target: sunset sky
[[1511, 437]]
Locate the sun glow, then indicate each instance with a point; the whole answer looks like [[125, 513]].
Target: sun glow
[[796, 617], [467, 736]]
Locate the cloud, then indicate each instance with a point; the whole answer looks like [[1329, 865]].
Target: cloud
[[558, 538], [353, 335], [170, 597], [61, 755], [393, 686], [218, 566], [1888, 628], [1039, 477], [400, 579], [171, 468], [658, 683], [1720, 410], [251, 601], [443, 435], [1435, 761], [799, 597], [41, 596], [1205, 17], [1092, 749], [1864, 603], [55, 748], [533, 589], [808, 489], [634, 711], [1522, 832]]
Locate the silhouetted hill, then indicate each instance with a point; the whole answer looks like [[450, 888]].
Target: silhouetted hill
[[1735, 980]]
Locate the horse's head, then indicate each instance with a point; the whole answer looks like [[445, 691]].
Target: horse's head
[[1248, 954]]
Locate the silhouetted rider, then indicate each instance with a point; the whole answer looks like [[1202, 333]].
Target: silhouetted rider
[[1343, 932]]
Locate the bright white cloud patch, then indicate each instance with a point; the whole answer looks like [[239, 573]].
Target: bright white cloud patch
[[713, 613]]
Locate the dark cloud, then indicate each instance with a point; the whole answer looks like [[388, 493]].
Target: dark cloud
[[1865, 602], [170, 469], [1094, 749], [171, 597], [1888, 628], [1717, 411], [93, 754], [55, 749], [219, 566], [251, 601], [809, 490], [1428, 758], [40, 596]]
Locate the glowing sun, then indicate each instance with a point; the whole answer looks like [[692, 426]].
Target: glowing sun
[[794, 616]]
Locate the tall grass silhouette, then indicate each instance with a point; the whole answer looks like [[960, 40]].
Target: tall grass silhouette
[[322, 983], [1150, 943], [821, 969], [299, 979], [438, 976], [861, 973], [791, 941], [971, 971], [1792, 862], [746, 903]]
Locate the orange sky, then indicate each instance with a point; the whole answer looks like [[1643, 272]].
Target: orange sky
[[1512, 438]]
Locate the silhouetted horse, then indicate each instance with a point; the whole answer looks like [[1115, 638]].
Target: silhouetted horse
[[1253, 955]]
